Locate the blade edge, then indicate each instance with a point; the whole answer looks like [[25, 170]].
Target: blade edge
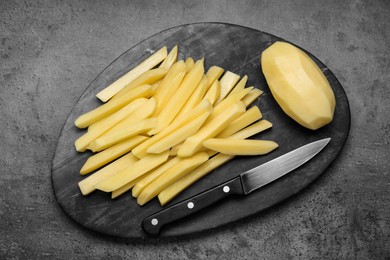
[[270, 171]]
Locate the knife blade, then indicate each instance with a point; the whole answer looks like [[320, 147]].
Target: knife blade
[[244, 184]]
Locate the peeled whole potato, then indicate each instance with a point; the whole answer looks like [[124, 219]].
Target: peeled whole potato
[[298, 85]]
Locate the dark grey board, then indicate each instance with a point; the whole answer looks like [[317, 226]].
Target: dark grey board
[[234, 48]]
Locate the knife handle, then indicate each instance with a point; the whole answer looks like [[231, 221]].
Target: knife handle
[[153, 223]]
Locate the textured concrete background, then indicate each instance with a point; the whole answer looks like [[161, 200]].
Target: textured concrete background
[[51, 50]]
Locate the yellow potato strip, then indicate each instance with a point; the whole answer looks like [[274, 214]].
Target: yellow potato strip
[[228, 81], [213, 74], [240, 147], [195, 97], [93, 116], [169, 85], [211, 129], [189, 64], [126, 79], [145, 180], [108, 140], [240, 85], [136, 170], [213, 92], [170, 59], [150, 77], [88, 184], [138, 115], [178, 135], [204, 106], [170, 176], [252, 96], [180, 97], [249, 117], [104, 157], [82, 142]]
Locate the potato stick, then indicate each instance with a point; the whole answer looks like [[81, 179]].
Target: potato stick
[[240, 85], [178, 135], [126, 79], [156, 85], [87, 119], [169, 85], [195, 97], [176, 188], [189, 64], [116, 193], [138, 115], [108, 140], [104, 157], [226, 103], [174, 149], [252, 96], [240, 147], [213, 92], [211, 129], [150, 77], [145, 180], [213, 74], [170, 176], [170, 59], [204, 106], [131, 173], [106, 121], [228, 81], [249, 117], [82, 142], [88, 184], [180, 97]]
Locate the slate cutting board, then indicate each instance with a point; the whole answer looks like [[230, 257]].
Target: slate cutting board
[[234, 48]]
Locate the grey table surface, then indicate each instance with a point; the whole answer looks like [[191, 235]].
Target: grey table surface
[[51, 50]]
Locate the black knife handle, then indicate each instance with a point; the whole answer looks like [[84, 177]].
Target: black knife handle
[[153, 223]]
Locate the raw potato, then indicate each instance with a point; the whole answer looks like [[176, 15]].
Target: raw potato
[[143, 91], [180, 97], [249, 117], [126, 79], [178, 135], [240, 147], [136, 170], [204, 106], [252, 130], [116, 193], [211, 129], [141, 184], [150, 77], [213, 74], [213, 93], [228, 81], [82, 142], [298, 85], [240, 85], [195, 97], [108, 140], [169, 85], [88, 184], [189, 64], [170, 176], [104, 157], [252, 96], [170, 59], [144, 111], [226, 103]]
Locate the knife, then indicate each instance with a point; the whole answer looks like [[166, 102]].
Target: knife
[[244, 184]]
